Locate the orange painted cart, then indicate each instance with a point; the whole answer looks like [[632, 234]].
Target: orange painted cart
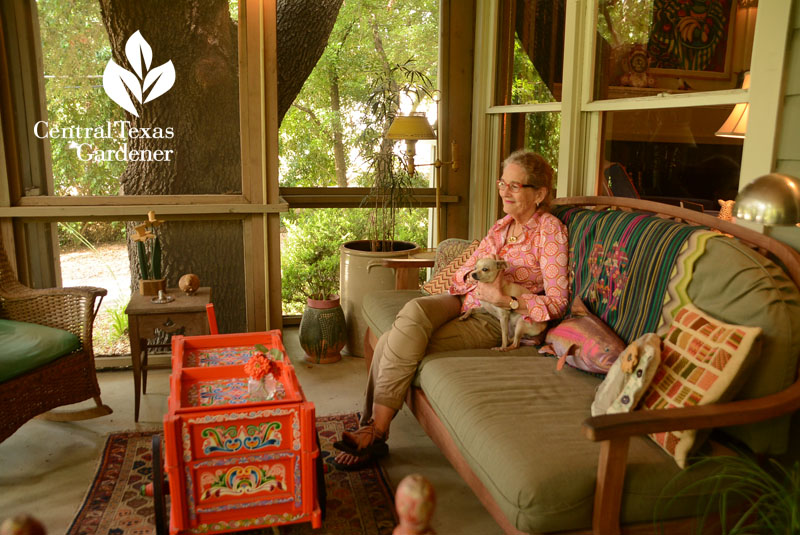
[[233, 463]]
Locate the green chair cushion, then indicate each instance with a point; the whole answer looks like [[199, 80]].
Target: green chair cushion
[[379, 308], [517, 422], [27, 346], [735, 284]]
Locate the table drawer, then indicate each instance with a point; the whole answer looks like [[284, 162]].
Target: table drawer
[[192, 322]]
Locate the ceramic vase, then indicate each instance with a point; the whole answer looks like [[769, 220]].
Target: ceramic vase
[[323, 331], [358, 276]]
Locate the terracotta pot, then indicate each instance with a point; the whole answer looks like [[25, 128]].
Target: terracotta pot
[[152, 286], [356, 280], [323, 331]]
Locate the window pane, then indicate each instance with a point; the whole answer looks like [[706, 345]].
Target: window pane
[[95, 253], [671, 155], [540, 132], [381, 61], [531, 51], [310, 240], [646, 47], [157, 115]]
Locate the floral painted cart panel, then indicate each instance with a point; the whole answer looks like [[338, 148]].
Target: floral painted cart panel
[[235, 461]]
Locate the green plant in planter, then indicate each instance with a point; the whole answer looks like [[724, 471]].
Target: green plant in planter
[[391, 186], [752, 498], [310, 255], [149, 257]]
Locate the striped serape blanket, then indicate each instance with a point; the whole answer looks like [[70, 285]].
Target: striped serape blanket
[[622, 263]]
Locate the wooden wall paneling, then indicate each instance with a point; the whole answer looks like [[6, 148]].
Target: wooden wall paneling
[[272, 237], [36, 245], [250, 103], [796, 15], [485, 142], [456, 60], [9, 162]]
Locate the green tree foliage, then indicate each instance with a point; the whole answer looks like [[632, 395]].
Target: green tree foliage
[[377, 50], [310, 249], [75, 51], [624, 22], [356, 65], [542, 129]]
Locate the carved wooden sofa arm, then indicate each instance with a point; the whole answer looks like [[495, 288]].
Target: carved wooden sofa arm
[[615, 430]]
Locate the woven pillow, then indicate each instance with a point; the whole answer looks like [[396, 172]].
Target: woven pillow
[[703, 361], [441, 280]]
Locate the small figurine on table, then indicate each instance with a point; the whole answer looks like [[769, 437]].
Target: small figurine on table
[[189, 283]]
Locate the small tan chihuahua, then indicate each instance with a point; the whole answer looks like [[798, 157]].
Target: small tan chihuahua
[[486, 270]]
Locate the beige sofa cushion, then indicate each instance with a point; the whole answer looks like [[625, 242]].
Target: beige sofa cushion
[[379, 308]]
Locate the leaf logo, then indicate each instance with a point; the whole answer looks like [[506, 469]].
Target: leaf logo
[[118, 81]]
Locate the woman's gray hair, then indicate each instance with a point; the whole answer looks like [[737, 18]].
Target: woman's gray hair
[[538, 172]]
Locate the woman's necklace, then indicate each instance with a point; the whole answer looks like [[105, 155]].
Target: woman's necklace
[[512, 236]]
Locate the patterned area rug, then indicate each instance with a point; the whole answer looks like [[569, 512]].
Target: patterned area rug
[[359, 503]]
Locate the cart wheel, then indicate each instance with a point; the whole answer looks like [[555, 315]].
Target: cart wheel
[[159, 501], [322, 493]]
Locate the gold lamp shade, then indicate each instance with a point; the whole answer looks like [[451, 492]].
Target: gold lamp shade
[[736, 123], [772, 199], [413, 127]]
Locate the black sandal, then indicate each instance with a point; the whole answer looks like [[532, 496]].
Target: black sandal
[[366, 456], [378, 441]]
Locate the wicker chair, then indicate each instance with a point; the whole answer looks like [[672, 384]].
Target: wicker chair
[[68, 379]]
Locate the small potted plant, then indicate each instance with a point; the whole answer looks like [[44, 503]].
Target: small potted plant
[[323, 331], [749, 494], [148, 248]]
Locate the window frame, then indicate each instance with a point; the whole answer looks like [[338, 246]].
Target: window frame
[[258, 207], [581, 120]]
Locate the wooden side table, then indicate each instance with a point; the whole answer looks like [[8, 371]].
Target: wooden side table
[[144, 317]]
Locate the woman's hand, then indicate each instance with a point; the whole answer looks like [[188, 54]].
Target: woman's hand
[[492, 292]]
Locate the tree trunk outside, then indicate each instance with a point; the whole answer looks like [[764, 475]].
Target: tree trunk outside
[[336, 125], [303, 30], [202, 108]]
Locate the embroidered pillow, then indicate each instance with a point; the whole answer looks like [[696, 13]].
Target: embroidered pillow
[[703, 360], [441, 280], [583, 341]]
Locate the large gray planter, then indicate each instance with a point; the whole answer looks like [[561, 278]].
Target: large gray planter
[[356, 280]]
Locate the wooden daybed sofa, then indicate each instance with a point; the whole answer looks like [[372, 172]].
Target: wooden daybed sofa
[[521, 434]]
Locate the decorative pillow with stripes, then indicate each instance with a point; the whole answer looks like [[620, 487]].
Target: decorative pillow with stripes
[[703, 360], [441, 280]]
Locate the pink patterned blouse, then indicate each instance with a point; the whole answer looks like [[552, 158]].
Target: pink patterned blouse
[[537, 261]]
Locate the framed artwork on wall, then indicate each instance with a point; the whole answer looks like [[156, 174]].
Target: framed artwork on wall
[[692, 38]]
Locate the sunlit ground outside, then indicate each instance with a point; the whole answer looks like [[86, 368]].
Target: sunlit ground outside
[[104, 265]]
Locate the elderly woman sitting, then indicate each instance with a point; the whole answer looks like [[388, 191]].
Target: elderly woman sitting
[[531, 240]]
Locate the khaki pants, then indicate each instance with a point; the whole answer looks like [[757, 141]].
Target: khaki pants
[[425, 325]]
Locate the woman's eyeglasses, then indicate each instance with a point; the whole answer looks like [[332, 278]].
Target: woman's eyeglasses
[[515, 187]]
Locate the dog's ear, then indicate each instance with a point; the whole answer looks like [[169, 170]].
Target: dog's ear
[[502, 264]]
